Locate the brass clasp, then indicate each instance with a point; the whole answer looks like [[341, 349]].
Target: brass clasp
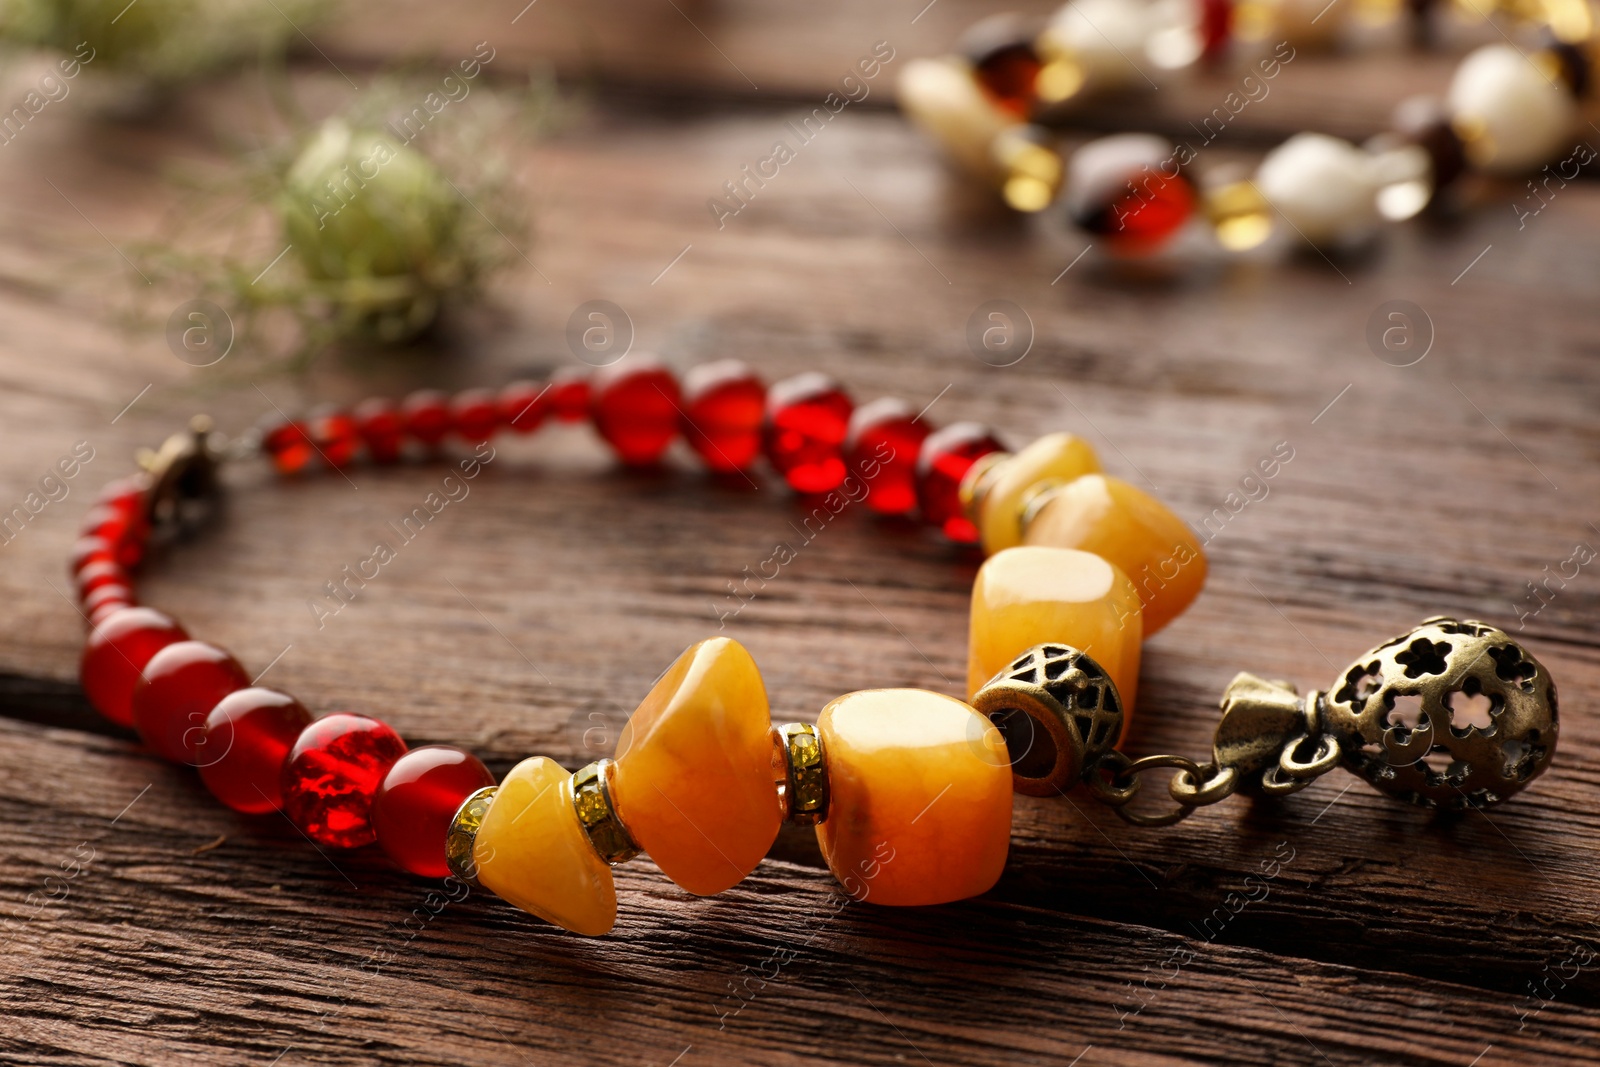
[[183, 476], [1269, 737]]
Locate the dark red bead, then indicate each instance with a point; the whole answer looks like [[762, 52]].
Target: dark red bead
[[99, 574], [474, 415], [124, 494], [289, 447], [946, 455], [126, 531], [1216, 28], [333, 771], [177, 690], [1127, 189], [244, 745], [569, 394], [808, 417], [104, 608], [523, 405], [724, 404], [337, 437], [635, 404], [1004, 61], [885, 439], [381, 429], [89, 549], [426, 415], [412, 810], [120, 594], [117, 651]]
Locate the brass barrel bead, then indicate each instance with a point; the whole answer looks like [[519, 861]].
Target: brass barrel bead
[[806, 773], [463, 834], [1059, 712], [591, 799]]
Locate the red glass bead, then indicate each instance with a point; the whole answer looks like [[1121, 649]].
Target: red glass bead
[[125, 531], [177, 690], [412, 810], [944, 460], [381, 428], [885, 439], [104, 596], [244, 745], [724, 404], [97, 575], [523, 405], [117, 651], [124, 494], [426, 415], [634, 405], [474, 415], [333, 771], [288, 445], [89, 549], [337, 436], [1216, 28], [1004, 62], [569, 394], [1127, 190], [100, 612], [807, 419]]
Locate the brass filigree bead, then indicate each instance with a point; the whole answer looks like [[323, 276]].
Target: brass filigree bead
[[805, 770], [591, 799], [1059, 712], [463, 834], [1404, 715]]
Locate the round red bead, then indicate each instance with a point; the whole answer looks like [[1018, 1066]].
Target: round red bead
[[337, 436], [117, 650], [177, 690], [634, 405], [381, 428], [426, 415], [125, 494], [94, 616], [98, 575], [244, 745], [412, 810], [288, 445], [569, 394], [104, 597], [1216, 28], [807, 419], [724, 404], [885, 439], [523, 405], [333, 772], [946, 455], [87, 550], [475, 415], [125, 530]]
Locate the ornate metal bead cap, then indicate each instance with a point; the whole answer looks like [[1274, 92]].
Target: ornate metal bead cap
[[805, 768], [463, 834], [591, 799], [1059, 712], [1454, 715]]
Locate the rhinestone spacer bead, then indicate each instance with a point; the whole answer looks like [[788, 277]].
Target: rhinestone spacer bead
[[463, 834], [806, 773], [591, 799]]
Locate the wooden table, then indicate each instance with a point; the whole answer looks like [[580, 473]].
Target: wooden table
[[534, 614]]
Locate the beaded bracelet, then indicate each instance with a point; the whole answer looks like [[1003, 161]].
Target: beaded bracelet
[[909, 791], [1507, 112]]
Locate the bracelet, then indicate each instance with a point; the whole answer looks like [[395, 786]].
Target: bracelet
[[992, 107], [910, 791]]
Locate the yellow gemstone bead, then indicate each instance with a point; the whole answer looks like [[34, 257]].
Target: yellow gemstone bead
[[919, 807], [532, 850], [1053, 457], [693, 781], [1032, 596], [1156, 550]]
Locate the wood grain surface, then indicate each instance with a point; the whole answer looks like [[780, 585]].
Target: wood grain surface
[[145, 924]]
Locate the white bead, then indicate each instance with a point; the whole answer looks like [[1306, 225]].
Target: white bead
[[943, 97], [1326, 188], [1104, 38], [1511, 117]]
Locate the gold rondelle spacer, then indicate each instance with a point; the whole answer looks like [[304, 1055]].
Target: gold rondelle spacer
[[591, 799], [806, 773], [976, 483], [463, 834]]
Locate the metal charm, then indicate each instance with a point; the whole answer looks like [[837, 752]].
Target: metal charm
[[1402, 717]]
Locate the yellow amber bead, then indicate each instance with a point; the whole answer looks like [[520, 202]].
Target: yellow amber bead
[[532, 851], [1053, 457], [919, 806], [1156, 550], [1033, 596], [693, 781]]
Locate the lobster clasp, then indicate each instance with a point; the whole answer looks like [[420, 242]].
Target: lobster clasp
[[184, 480], [1269, 736]]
